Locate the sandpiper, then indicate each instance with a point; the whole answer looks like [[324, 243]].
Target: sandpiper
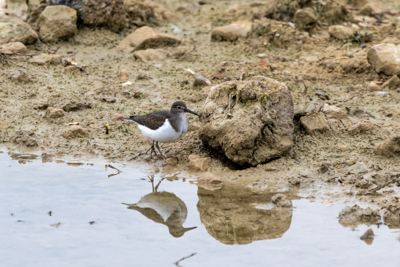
[[163, 126]]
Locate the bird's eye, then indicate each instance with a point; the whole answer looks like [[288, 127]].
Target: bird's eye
[[179, 107]]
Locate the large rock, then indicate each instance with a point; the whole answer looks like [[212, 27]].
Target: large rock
[[139, 12], [105, 13], [305, 19], [146, 37], [340, 32], [385, 58], [19, 7], [251, 122], [232, 32], [13, 29], [57, 23]]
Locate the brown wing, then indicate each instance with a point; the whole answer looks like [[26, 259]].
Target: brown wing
[[153, 120]]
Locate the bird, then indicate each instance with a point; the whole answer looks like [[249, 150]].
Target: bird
[[163, 126]]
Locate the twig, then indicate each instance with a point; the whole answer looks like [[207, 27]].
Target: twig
[[55, 51], [112, 167], [184, 258], [18, 54], [382, 186]]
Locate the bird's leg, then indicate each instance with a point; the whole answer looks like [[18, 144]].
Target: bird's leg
[[145, 153], [153, 150], [159, 150]]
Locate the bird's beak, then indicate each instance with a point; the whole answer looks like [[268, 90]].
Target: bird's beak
[[189, 111]]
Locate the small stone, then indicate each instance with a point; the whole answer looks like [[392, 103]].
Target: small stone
[[361, 127], [20, 76], [280, 200], [172, 161], [123, 75], [93, 126], [333, 112], [373, 87], [144, 38], [315, 123], [57, 23], [342, 147], [46, 59], [384, 58], [369, 234], [209, 178], [356, 168], [315, 106], [54, 113], [390, 147], [232, 32], [149, 55], [392, 83], [197, 163], [75, 131], [340, 32], [370, 9], [16, 47], [295, 181], [305, 19]]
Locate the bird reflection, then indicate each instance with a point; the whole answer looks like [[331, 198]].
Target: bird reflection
[[165, 208]]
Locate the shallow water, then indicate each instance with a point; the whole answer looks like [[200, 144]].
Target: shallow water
[[91, 226]]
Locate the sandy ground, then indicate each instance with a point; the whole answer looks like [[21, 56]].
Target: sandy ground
[[96, 97]]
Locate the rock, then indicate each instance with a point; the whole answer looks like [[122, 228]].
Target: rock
[[371, 10], [54, 113], [98, 13], [4, 124], [13, 29], [57, 23], [391, 214], [250, 121], [20, 76], [315, 123], [19, 7], [172, 161], [390, 147], [280, 200], [314, 107], [182, 53], [232, 32], [361, 127], [392, 83], [209, 178], [43, 59], [333, 112], [149, 55], [340, 32], [123, 75], [197, 163], [373, 87], [384, 58], [24, 138], [75, 131], [356, 168], [144, 38], [352, 216], [138, 12], [295, 181], [75, 106], [16, 47], [200, 81], [342, 147], [305, 19], [369, 234]]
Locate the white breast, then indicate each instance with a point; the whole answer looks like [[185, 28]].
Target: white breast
[[163, 134], [184, 124]]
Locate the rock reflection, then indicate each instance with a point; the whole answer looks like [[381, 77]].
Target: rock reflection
[[165, 208], [235, 215]]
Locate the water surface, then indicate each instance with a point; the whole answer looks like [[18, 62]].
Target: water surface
[[80, 214]]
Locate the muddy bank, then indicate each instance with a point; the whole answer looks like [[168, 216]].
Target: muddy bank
[[57, 97]]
